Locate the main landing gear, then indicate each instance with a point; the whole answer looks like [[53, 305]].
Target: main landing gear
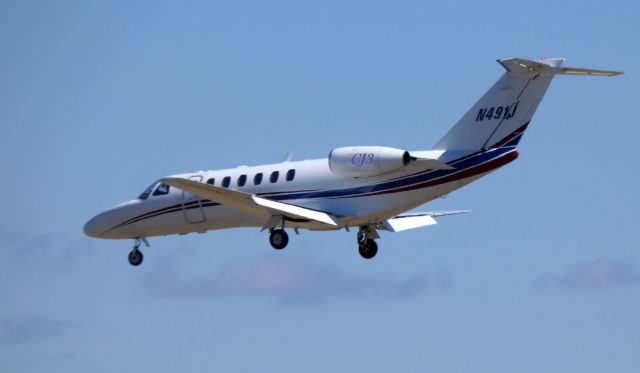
[[367, 246], [278, 239], [367, 235], [135, 256]]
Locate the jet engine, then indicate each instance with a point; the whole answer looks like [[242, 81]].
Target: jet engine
[[366, 161]]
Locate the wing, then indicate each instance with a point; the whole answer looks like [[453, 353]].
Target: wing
[[416, 220], [251, 203]]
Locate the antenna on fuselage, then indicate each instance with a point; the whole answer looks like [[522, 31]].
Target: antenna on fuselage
[[288, 157]]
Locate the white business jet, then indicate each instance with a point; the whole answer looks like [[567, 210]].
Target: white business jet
[[368, 188]]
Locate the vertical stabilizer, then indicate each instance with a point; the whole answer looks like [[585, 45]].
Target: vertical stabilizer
[[502, 114]]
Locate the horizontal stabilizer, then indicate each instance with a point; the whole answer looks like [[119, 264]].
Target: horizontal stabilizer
[[581, 71], [432, 164], [429, 159], [250, 203], [416, 220], [550, 66]]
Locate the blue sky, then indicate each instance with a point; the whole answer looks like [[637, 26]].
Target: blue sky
[[98, 99]]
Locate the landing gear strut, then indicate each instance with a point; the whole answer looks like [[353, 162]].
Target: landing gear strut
[[367, 246], [135, 256], [278, 239]]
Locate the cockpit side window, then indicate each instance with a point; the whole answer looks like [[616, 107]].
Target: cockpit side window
[[144, 195], [161, 190]]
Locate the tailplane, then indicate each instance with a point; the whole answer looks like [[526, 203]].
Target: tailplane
[[503, 113]]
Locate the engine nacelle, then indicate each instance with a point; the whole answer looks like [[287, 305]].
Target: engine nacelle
[[366, 161]]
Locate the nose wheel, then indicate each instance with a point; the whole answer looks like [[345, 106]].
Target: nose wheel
[[135, 256], [367, 246], [368, 249]]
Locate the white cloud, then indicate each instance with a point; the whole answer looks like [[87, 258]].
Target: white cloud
[[600, 273], [287, 280], [24, 250], [29, 329]]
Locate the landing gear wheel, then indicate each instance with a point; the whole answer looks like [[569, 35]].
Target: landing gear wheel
[[278, 239], [368, 249], [135, 257]]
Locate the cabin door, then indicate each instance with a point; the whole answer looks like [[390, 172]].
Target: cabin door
[[192, 205]]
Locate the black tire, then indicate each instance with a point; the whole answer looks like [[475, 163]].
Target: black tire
[[135, 257], [368, 249], [278, 239]]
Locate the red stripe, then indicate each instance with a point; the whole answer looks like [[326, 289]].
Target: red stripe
[[482, 168], [511, 136]]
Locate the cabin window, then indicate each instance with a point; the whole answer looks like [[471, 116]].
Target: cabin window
[[291, 174], [211, 181], [257, 179], [242, 179], [226, 181], [274, 176], [161, 190]]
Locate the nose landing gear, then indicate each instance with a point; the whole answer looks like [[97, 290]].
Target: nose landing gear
[[135, 256], [368, 249], [367, 246]]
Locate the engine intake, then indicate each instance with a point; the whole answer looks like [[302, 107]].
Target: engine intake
[[366, 161]]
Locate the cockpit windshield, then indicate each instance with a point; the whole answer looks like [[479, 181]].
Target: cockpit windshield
[[147, 192], [157, 189]]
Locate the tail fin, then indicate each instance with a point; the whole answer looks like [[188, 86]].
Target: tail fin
[[503, 113]]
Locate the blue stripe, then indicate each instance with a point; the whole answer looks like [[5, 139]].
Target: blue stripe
[[515, 141], [461, 164]]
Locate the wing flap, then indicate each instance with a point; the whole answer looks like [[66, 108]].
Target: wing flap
[[416, 220], [399, 223], [298, 211]]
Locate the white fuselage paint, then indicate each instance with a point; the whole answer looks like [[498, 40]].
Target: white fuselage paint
[[168, 214]]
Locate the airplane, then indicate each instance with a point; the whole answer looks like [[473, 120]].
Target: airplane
[[368, 188]]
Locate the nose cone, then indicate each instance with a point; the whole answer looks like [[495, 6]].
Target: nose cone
[[97, 226], [107, 224]]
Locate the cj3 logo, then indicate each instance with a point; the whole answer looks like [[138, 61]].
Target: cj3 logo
[[361, 159], [497, 112]]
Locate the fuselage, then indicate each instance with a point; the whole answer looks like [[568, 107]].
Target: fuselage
[[164, 210]]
